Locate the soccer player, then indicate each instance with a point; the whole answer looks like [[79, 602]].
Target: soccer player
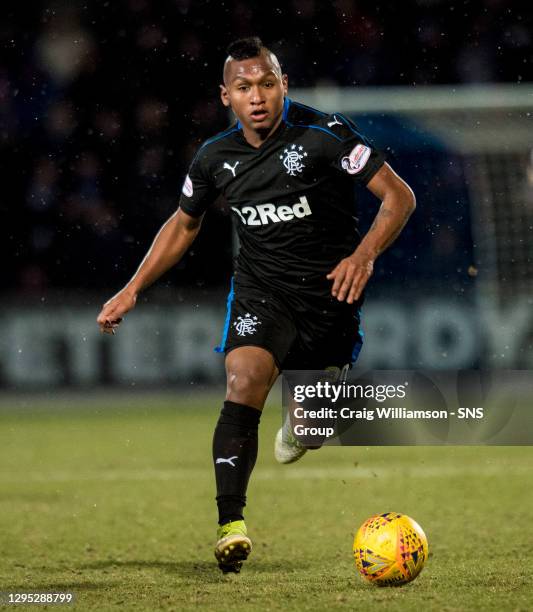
[[288, 173]]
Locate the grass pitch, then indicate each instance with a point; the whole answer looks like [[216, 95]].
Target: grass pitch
[[112, 498]]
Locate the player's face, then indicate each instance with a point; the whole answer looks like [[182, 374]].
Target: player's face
[[255, 89]]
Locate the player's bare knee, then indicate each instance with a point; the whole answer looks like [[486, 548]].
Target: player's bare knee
[[245, 383]]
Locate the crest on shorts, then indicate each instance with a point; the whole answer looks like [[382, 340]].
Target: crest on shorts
[[292, 159], [246, 326]]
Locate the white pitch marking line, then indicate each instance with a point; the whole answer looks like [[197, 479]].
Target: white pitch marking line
[[278, 473]]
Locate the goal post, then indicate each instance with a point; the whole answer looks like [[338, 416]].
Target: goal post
[[489, 130]]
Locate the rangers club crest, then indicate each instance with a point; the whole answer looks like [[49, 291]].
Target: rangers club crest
[[246, 326], [292, 159]]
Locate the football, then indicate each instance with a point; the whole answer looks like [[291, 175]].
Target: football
[[390, 549]]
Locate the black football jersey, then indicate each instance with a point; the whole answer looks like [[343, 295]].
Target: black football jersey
[[292, 198]]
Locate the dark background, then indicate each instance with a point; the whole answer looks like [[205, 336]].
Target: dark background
[[102, 105]]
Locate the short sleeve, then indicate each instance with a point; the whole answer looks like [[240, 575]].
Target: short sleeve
[[350, 152], [198, 190]]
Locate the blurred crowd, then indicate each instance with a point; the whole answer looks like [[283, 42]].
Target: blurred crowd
[[102, 105]]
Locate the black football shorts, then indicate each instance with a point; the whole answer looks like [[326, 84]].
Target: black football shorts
[[301, 332]]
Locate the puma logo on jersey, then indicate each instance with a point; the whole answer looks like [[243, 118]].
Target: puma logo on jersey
[[228, 460], [233, 168], [263, 214], [335, 122]]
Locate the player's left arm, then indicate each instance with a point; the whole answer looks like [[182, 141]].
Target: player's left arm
[[351, 274]]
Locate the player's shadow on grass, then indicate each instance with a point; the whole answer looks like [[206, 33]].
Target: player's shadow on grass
[[201, 570], [64, 587]]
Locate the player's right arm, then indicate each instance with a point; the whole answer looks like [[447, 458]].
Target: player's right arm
[[171, 242], [168, 247]]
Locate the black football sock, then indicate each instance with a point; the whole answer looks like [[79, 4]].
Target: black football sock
[[234, 455]]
